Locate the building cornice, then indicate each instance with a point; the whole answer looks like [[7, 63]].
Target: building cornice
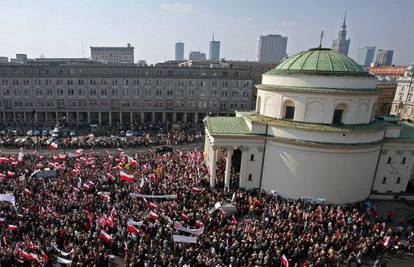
[[299, 89]]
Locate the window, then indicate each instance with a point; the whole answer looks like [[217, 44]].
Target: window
[[404, 160], [337, 118], [289, 112], [384, 180], [398, 180], [251, 157], [250, 177], [389, 160]]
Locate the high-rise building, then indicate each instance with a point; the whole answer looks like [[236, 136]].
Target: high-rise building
[[384, 57], [197, 56], [214, 51], [341, 44], [113, 55], [179, 51], [272, 48], [366, 56]]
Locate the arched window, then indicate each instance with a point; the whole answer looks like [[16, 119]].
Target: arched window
[[258, 103], [288, 110], [339, 114]]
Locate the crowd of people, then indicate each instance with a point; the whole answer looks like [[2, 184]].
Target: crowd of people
[[105, 137], [157, 209]]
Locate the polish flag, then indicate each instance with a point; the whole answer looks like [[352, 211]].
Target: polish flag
[[110, 221], [27, 192], [105, 236], [195, 190], [284, 261], [133, 162], [132, 229], [199, 224], [126, 177], [79, 151], [10, 174], [28, 256], [185, 217], [43, 256], [109, 176], [152, 206], [53, 145], [233, 220], [86, 187], [387, 241], [12, 227], [153, 216]]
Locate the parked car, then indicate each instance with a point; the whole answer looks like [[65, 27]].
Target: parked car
[[29, 133]]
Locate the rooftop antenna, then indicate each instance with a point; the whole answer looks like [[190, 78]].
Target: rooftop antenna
[[321, 39]]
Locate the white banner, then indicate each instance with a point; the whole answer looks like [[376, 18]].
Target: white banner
[[178, 226], [46, 173], [61, 251], [8, 198], [184, 239], [153, 196], [63, 261], [132, 222]]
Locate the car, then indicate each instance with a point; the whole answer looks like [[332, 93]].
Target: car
[[122, 133], [37, 133], [164, 149], [29, 133], [45, 133], [129, 133], [73, 133]]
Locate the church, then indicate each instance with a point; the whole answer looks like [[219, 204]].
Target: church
[[313, 135]]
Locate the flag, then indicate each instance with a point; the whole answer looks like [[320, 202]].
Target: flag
[[195, 190], [105, 236], [233, 220], [387, 241], [199, 224], [20, 156], [126, 177], [132, 229], [63, 260], [284, 261], [10, 174], [12, 227], [27, 192], [152, 206], [109, 176], [153, 216], [43, 256], [185, 217], [53, 145], [28, 256]]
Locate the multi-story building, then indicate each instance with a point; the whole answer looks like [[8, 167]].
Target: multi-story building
[[179, 51], [384, 57], [119, 94], [214, 50], [197, 56], [113, 55], [387, 83], [4, 59], [20, 59], [366, 56], [403, 104], [272, 48], [341, 44]]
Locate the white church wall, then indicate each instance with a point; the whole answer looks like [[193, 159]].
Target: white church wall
[[251, 165], [394, 168], [337, 175]]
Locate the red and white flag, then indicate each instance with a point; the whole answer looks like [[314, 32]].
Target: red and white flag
[[284, 261], [126, 177], [132, 229], [10, 174], [27, 192], [105, 236], [109, 176], [53, 145], [199, 224], [152, 206], [12, 227], [195, 190], [185, 217], [153, 216]]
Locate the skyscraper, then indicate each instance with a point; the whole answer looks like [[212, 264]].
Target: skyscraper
[[384, 57], [179, 51], [366, 56], [272, 48], [341, 44], [214, 51]]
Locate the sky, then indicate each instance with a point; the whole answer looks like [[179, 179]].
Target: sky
[[56, 28]]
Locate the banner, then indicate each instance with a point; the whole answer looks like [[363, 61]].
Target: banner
[[153, 196], [131, 222], [8, 198], [63, 261], [46, 173], [178, 226], [184, 239], [61, 251]]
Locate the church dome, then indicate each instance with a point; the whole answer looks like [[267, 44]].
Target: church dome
[[319, 61]]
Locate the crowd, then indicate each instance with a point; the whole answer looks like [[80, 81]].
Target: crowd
[[155, 209], [106, 137]]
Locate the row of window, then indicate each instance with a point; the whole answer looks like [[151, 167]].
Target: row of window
[[124, 91], [384, 180], [403, 161]]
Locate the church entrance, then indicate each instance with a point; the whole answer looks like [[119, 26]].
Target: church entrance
[[235, 170]]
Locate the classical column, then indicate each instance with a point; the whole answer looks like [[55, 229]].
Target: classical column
[[196, 117], [213, 165], [153, 117], [174, 117], [164, 116], [35, 116], [24, 117], [121, 121], [14, 116], [100, 118], [110, 118], [77, 117], [56, 116], [142, 114], [228, 168], [243, 166], [89, 117], [131, 121]]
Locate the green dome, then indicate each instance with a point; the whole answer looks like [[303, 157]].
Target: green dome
[[319, 61]]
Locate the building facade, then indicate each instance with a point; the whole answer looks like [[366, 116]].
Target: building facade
[[403, 104], [272, 48], [214, 50], [197, 56], [109, 94], [341, 44], [314, 135], [384, 57], [113, 55], [366, 56], [179, 51]]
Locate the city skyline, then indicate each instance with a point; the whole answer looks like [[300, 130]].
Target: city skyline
[[160, 24]]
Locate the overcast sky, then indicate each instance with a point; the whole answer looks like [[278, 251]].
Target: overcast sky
[[61, 28]]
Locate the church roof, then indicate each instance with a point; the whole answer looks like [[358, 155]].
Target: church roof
[[226, 126], [319, 61]]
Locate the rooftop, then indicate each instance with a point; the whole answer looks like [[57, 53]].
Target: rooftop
[[407, 130], [320, 61], [226, 126]]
